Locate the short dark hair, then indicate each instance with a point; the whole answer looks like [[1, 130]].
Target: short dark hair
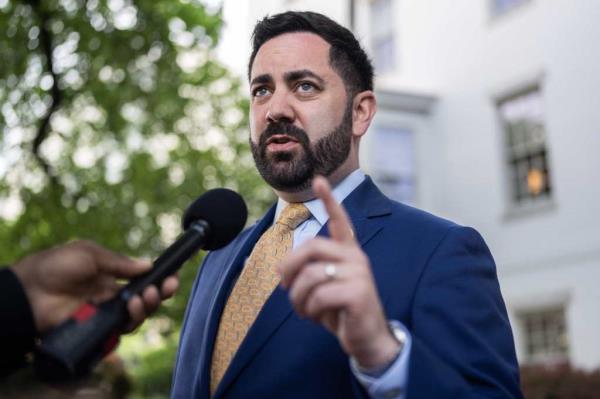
[[346, 56]]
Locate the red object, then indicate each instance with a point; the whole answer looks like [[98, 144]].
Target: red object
[[85, 312]]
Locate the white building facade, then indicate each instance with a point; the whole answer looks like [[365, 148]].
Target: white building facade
[[489, 115]]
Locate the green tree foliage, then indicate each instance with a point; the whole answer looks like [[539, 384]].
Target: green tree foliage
[[114, 116]]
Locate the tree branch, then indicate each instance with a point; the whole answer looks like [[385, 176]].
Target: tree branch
[[55, 93]]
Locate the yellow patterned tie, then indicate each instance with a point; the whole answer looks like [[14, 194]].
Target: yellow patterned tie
[[252, 289]]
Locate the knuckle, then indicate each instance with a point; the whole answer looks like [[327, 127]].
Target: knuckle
[[318, 243], [318, 299], [312, 272], [312, 245]]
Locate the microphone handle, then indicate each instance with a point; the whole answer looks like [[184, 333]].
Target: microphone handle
[[73, 348], [170, 260]]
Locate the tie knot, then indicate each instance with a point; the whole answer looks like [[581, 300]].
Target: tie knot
[[293, 214]]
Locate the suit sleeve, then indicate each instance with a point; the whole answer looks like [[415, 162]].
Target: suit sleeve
[[462, 340], [18, 329]]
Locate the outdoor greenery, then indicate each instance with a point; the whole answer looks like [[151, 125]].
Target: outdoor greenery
[[114, 116]]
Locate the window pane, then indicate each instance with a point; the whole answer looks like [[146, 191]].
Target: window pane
[[545, 335], [393, 163], [523, 121]]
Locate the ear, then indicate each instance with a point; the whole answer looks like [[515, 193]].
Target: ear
[[364, 107]]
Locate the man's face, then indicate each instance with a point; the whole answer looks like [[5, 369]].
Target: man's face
[[300, 117]]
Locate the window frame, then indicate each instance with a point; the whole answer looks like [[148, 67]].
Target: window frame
[[527, 206], [380, 174], [546, 358]]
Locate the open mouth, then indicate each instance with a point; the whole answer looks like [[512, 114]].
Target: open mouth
[[281, 142]]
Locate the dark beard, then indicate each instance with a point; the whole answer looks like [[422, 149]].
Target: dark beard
[[293, 172]]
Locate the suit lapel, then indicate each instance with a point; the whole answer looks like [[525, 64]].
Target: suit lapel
[[364, 205]]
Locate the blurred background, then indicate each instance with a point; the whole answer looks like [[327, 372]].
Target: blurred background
[[115, 114]]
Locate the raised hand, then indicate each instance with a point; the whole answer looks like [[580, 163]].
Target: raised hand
[[330, 281]]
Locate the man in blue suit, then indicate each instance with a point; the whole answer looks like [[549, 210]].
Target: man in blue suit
[[376, 299]]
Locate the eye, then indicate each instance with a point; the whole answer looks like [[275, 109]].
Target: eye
[[260, 91], [306, 87]]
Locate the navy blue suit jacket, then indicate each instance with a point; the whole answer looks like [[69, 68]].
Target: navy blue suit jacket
[[436, 277]]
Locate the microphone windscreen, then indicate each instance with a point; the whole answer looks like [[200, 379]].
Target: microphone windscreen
[[225, 212]]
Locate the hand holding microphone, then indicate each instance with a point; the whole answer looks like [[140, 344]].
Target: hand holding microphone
[[57, 279], [74, 347]]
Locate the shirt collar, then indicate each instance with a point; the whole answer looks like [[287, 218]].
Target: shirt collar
[[340, 192]]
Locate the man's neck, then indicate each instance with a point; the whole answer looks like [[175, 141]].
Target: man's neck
[[306, 195], [339, 192]]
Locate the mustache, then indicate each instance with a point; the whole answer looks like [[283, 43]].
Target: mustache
[[286, 129]]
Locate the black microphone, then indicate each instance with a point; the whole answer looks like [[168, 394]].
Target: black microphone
[[74, 347]]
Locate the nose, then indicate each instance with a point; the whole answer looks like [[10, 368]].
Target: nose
[[280, 109]]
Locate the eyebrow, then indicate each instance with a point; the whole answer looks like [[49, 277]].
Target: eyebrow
[[261, 79], [290, 76], [301, 74]]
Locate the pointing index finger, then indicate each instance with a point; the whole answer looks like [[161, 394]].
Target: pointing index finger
[[340, 227]]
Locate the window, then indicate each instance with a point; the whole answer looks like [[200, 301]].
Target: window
[[382, 30], [527, 157], [545, 336], [393, 163], [502, 6]]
